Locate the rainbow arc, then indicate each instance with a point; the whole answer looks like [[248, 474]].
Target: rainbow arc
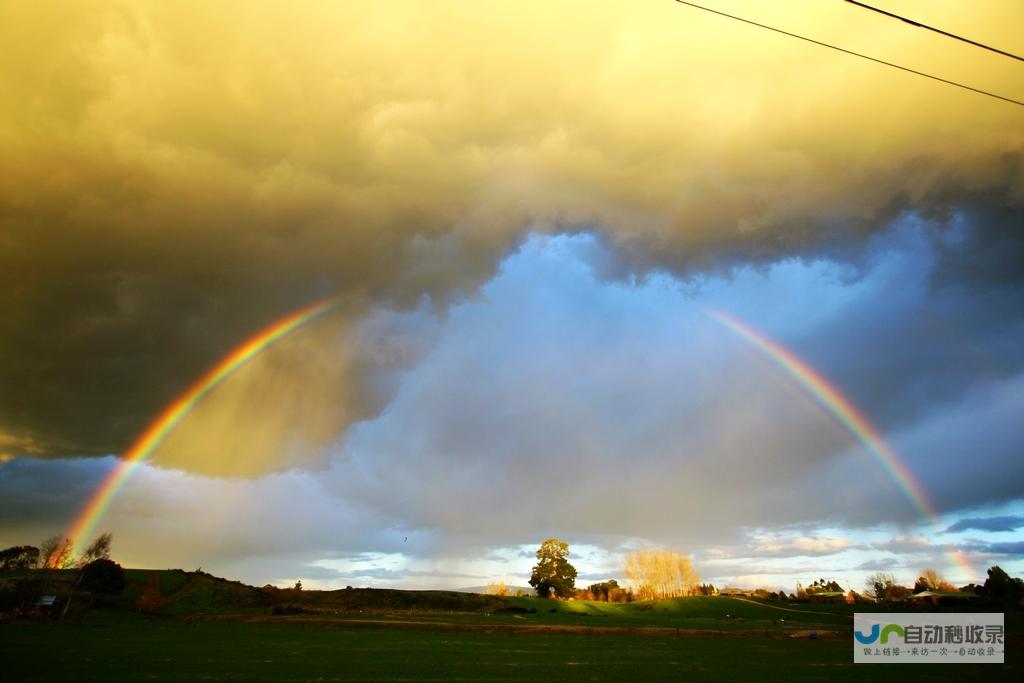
[[814, 384], [85, 522], [846, 414]]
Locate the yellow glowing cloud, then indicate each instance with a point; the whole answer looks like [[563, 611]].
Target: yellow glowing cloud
[[272, 153], [651, 117]]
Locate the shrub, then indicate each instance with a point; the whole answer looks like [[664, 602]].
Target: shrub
[[103, 576]]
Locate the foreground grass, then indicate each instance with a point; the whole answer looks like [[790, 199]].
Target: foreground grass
[[120, 646]]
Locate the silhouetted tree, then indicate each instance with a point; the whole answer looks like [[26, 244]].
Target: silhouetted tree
[[102, 576], [99, 550], [19, 557], [553, 573], [1000, 586]]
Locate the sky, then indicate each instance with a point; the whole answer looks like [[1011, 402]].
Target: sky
[[533, 217]]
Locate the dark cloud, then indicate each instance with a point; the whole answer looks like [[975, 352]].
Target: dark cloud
[[1001, 523], [1014, 549], [928, 341], [173, 183]]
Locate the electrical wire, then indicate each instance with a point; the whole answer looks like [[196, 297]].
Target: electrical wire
[[855, 54], [936, 30]]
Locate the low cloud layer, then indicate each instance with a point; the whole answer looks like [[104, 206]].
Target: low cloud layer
[[529, 414]]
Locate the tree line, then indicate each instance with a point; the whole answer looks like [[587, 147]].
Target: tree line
[[652, 574], [55, 552], [655, 574]]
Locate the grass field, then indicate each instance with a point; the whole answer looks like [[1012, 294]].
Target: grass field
[[175, 626], [124, 646]]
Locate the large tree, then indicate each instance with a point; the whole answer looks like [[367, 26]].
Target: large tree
[[553, 573]]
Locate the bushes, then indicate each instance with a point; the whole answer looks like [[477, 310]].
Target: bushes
[[103, 576]]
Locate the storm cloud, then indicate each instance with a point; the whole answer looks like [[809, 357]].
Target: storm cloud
[[176, 178], [526, 210]]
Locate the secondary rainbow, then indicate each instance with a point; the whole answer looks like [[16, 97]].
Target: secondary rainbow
[[829, 398], [86, 520]]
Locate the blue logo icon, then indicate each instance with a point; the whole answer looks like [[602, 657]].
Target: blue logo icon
[[873, 635]]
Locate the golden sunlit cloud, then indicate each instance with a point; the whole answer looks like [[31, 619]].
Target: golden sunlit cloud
[[186, 173]]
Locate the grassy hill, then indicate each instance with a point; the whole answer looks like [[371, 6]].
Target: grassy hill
[[177, 593], [198, 595], [175, 625]]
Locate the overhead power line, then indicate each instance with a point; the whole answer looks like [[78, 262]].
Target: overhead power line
[[855, 54], [954, 36]]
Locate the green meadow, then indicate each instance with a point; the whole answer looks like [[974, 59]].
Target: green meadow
[[177, 626], [126, 646]]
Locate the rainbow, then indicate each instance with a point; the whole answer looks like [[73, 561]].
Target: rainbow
[[91, 513], [829, 398]]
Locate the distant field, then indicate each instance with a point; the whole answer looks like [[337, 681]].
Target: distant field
[[125, 646]]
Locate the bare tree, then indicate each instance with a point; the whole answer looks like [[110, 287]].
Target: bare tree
[[99, 550], [659, 573], [931, 580], [55, 553]]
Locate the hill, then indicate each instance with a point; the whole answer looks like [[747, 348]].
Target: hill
[[511, 590], [177, 592]]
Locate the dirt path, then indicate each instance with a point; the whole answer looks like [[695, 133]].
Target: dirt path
[[150, 601], [789, 609]]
